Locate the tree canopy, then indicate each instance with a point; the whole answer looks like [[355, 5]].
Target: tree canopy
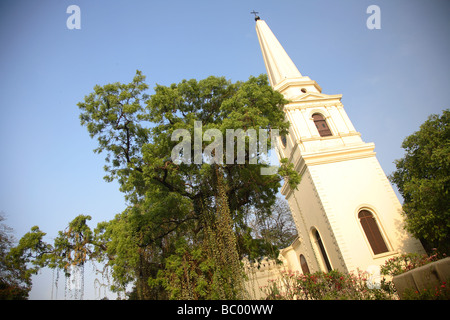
[[185, 228], [423, 179], [15, 277]]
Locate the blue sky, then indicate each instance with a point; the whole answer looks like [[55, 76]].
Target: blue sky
[[391, 79]]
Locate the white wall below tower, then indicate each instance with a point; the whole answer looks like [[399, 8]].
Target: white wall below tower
[[329, 199], [345, 188]]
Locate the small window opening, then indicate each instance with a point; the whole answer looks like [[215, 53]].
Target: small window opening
[[321, 125]]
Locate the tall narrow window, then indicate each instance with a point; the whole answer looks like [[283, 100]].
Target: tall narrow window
[[283, 140], [372, 232], [322, 251], [321, 125], [304, 264]]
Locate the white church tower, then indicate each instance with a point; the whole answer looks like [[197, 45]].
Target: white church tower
[[346, 212]]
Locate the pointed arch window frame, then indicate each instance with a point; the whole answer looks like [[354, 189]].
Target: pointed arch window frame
[[304, 264], [373, 231], [325, 262], [283, 141]]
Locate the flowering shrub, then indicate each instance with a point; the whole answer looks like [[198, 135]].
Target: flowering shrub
[[441, 292], [336, 285], [408, 261], [333, 285]]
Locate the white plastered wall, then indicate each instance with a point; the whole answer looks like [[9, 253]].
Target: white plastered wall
[[342, 189]]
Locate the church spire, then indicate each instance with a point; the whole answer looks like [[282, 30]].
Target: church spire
[[278, 64]]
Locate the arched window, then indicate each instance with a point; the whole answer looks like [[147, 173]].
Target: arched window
[[372, 232], [304, 264], [321, 125], [322, 250], [283, 140]]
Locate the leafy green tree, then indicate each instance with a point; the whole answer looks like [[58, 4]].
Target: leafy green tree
[[123, 246], [181, 234], [278, 227], [14, 280], [25, 259], [169, 201], [423, 179], [73, 247]]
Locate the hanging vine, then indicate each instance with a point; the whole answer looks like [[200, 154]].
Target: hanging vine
[[209, 266], [221, 246], [71, 251]]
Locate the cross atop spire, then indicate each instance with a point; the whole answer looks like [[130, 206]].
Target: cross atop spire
[[256, 15]]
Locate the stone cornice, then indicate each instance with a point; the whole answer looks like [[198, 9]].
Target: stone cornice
[[296, 82], [314, 101], [341, 154], [307, 159]]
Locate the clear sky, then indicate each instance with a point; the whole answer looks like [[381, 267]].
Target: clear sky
[[391, 79]]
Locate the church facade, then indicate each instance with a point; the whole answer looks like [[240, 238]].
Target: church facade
[[347, 214]]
